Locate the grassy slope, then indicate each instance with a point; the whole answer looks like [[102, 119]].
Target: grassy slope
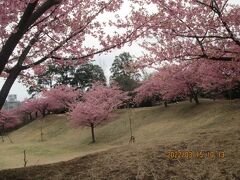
[[209, 126]]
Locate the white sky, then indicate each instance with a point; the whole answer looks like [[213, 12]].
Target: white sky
[[104, 60]]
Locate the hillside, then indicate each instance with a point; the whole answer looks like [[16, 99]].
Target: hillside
[[210, 126]]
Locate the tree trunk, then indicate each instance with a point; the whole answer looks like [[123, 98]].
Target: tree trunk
[[48, 112], [27, 19], [43, 113], [165, 104], [190, 99], [196, 99], [30, 117], [8, 49], [230, 95], [92, 131], [41, 130], [2, 132], [8, 85]]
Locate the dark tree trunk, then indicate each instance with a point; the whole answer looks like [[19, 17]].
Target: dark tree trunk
[[29, 17], [41, 129], [43, 113], [48, 112], [8, 85], [230, 95], [196, 99], [190, 99], [8, 48], [165, 104], [2, 132], [92, 131], [30, 117]]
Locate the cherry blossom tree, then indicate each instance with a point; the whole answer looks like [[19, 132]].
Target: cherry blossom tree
[[8, 119], [167, 83], [54, 99], [189, 30], [149, 88], [60, 97], [184, 81], [96, 107], [190, 79], [27, 108], [221, 75], [41, 105], [189, 34], [35, 33], [176, 81], [218, 77]]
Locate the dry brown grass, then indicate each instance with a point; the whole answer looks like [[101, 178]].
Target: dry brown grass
[[211, 126]]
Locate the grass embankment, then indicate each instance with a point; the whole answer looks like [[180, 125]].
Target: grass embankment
[[210, 126]]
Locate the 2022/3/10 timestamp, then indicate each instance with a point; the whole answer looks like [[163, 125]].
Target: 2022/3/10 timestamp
[[195, 154]]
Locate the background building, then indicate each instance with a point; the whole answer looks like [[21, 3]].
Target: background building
[[11, 102]]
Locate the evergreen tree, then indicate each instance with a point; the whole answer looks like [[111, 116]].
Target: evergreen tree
[[81, 77], [122, 73]]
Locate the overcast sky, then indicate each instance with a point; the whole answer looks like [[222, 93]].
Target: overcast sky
[[105, 61]]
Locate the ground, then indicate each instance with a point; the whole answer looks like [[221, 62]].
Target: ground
[[209, 127]]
